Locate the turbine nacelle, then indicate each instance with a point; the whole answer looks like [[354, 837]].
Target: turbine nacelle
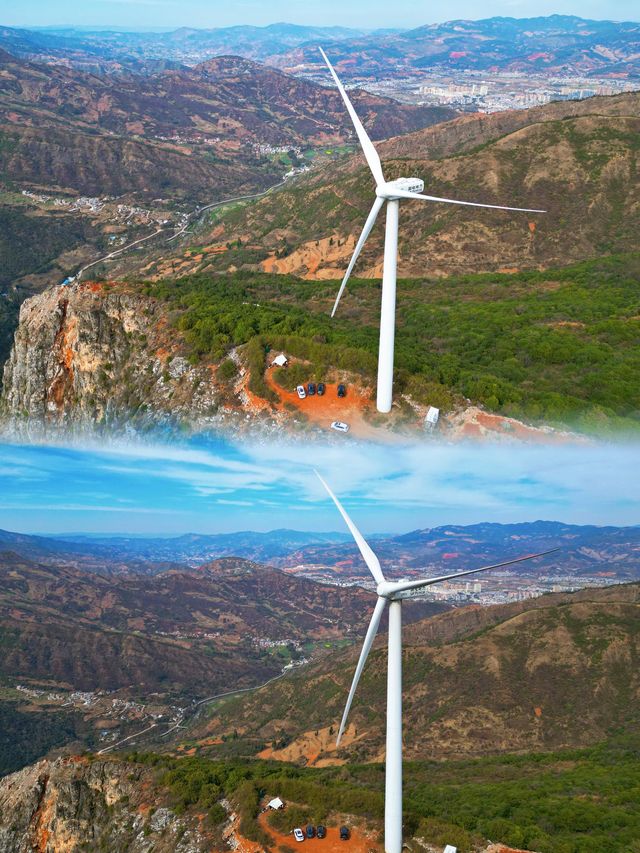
[[393, 591], [389, 190]]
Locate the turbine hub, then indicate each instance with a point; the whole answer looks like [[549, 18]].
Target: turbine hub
[[386, 589], [411, 185]]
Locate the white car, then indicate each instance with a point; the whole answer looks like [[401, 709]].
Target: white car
[[298, 834], [340, 426], [301, 392]]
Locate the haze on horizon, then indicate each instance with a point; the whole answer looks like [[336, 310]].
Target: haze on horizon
[[404, 14]]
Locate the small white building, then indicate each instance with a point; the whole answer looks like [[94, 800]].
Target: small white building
[[276, 804], [280, 361], [432, 418], [450, 849]]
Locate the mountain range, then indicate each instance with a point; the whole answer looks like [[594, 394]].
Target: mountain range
[[148, 555], [159, 145], [156, 638], [557, 44], [520, 703], [135, 123], [585, 550]]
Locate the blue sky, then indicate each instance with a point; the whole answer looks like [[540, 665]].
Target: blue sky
[[357, 13], [216, 487]]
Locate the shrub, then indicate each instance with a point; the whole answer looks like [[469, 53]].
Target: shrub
[[228, 370]]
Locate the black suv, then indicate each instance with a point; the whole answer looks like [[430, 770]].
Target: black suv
[[311, 833], [321, 389], [342, 390], [321, 832], [311, 389], [344, 833]]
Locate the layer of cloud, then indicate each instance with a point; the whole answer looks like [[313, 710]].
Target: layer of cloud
[[219, 486]]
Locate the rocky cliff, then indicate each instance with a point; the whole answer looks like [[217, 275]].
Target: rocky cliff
[[92, 353], [76, 804]]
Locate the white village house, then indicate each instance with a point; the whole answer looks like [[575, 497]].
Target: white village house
[[280, 361]]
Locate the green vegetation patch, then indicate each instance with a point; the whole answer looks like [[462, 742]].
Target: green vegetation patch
[[561, 346], [29, 243], [25, 737], [574, 801]]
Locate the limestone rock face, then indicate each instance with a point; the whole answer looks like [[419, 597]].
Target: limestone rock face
[[90, 353], [73, 804]]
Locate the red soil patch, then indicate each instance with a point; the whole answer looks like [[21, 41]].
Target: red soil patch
[[359, 842], [328, 408], [500, 848]]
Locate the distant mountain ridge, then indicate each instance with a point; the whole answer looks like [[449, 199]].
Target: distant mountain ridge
[[551, 44], [145, 552], [584, 549]]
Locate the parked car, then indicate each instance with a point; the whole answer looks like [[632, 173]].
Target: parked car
[[344, 833], [321, 389], [340, 426], [321, 832], [342, 390], [311, 831], [311, 389], [301, 392], [298, 834]]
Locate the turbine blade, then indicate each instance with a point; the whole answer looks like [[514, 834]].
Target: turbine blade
[[407, 194], [368, 225], [367, 554], [368, 148], [366, 646], [401, 586]]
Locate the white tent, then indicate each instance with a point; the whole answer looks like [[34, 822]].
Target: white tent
[[276, 804], [280, 360]]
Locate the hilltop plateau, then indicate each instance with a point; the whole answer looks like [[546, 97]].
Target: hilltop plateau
[[555, 347]]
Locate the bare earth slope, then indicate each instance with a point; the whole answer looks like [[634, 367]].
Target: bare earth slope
[[578, 161], [116, 133]]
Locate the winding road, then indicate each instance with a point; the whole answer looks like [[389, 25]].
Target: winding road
[[190, 218], [180, 723]]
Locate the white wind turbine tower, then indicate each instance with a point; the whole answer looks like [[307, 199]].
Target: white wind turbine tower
[[393, 594], [391, 192]]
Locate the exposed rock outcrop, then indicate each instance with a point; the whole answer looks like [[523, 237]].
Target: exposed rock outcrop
[[74, 804], [89, 353]]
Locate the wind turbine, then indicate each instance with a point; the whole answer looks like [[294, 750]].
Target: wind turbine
[[391, 192], [393, 594]]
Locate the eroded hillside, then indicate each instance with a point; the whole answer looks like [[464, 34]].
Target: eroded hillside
[[578, 161], [558, 671]]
